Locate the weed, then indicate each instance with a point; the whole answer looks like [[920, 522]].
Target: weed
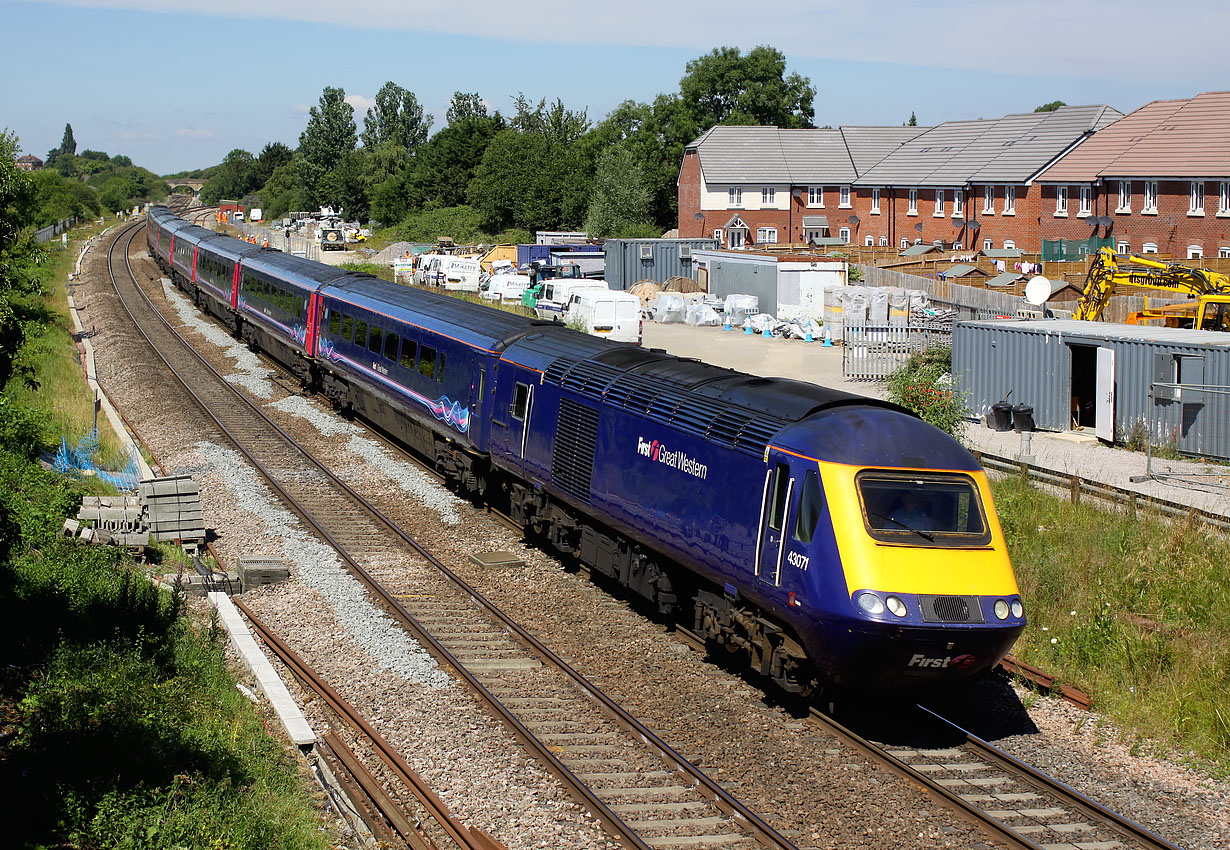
[[924, 386]]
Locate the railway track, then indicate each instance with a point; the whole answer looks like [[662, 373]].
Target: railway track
[[638, 788]]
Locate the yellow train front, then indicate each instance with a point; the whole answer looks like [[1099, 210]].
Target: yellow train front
[[880, 544]]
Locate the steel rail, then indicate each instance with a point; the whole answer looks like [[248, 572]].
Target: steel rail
[[1070, 796], [757, 828]]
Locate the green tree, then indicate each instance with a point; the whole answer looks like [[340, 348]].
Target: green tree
[[913, 122], [97, 156], [726, 87], [445, 165], [57, 198], [620, 199], [17, 249], [68, 146], [397, 117], [272, 156], [1050, 107], [121, 161], [329, 136], [232, 180], [283, 191], [465, 106]]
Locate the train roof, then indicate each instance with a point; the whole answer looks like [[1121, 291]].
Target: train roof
[[194, 234], [230, 247], [473, 324], [308, 274]]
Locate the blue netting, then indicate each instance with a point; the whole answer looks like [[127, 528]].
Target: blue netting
[[72, 460]]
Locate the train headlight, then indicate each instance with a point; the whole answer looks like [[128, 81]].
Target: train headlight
[[871, 603], [1001, 609], [896, 606], [1018, 610]]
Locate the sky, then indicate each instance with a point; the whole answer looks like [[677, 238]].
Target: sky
[[178, 86]]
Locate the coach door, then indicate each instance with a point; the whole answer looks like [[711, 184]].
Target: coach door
[[514, 403], [774, 506]]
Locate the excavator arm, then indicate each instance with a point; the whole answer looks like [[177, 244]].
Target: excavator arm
[[1106, 275]]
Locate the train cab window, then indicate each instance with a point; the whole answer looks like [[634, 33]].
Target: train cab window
[[922, 509], [440, 369], [347, 328], [360, 334], [781, 484], [334, 320], [375, 342], [427, 362], [409, 349], [810, 505], [521, 398], [390, 346]]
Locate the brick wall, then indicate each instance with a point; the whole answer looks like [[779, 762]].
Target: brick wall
[[689, 197], [1171, 228]]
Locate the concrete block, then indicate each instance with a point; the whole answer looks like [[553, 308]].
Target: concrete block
[[71, 527], [258, 571]]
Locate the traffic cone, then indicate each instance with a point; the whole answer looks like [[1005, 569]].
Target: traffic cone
[[828, 338], [807, 334], [726, 326], [768, 332], [747, 327]]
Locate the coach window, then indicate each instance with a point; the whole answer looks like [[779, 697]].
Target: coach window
[[440, 371], [777, 515], [335, 322], [360, 333], [390, 346], [347, 328], [427, 362], [375, 342], [299, 306], [521, 397], [409, 348], [810, 505]]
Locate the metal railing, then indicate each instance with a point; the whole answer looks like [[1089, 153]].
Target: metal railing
[[1171, 392], [872, 353], [53, 230]]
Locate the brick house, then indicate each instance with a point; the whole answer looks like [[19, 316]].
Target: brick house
[[1155, 181], [29, 162], [962, 182]]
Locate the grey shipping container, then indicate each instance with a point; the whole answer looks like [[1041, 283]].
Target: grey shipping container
[[1097, 376], [736, 273], [631, 260]]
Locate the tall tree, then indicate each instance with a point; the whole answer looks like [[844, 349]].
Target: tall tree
[[272, 156], [444, 166], [329, 136], [232, 179], [913, 122], [397, 117], [726, 87], [68, 147], [620, 199], [465, 106], [1050, 107], [16, 247]]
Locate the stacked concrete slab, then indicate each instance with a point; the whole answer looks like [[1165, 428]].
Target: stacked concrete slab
[[111, 519], [173, 509]]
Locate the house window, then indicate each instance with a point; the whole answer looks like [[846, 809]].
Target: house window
[[766, 235], [913, 210], [958, 203], [1009, 200], [734, 197], [1223, 252], [939, 202], [1223, 199], [844, 196], [1123, 248], [1009, 244], [1196, 206], [905, 243], [869, 241], [1149, 248], [1149, 201], [1061, 200], [875, 199], [1195, 252], [768, 197], [717, 236], [987, 244], [1125, 196], [815, 196], [844, 235], [1086, 200], [988, 200]]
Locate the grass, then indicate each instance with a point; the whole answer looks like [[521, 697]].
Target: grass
[[1135, 611]]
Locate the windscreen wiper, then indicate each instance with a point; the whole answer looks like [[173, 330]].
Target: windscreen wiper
[[924, 535]]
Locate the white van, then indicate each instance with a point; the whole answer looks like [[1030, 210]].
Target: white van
[[505, 288], [456, 274], [556, 293], [601, 312], [425, 266]]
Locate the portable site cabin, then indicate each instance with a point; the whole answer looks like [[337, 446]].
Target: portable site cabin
[[1170, 383]]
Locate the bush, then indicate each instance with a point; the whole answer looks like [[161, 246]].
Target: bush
[[924, 385]]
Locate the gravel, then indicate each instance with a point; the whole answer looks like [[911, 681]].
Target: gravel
[[251, 373]]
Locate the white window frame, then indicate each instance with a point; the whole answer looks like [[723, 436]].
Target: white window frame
[[869, 241], [1195, 205], [875, 200], [939, 203], [883, 241], [815, 197], [1124, 247], [1148, 248], [843, 198], [1086, 200], [1148, 200], [958, 204], [1195, 252], [768, 197], [766, 235], [1125, 197], [913, 207], [1009, 200], [988, 200], [1223, 198], [1223, 253], [988, 244], [719, 237], [734, 197], [844, 235], [1061, 201], [1009, 244], [905, 243]]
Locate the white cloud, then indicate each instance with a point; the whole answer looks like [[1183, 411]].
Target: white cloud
[[300, 109], [360, 103], [194, 133]]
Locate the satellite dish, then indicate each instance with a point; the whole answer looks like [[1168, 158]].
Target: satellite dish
[[798, 193], [1038, 290], [974, 224], [918, 227], [854, 219], [699, 216], [1107, 221]]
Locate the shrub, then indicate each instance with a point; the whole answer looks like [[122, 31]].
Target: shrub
[[924, 385]]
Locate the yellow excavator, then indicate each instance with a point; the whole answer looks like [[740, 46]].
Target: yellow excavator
[[1209, 310]]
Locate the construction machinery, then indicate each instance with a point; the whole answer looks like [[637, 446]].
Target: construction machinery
[[1209, 308]]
